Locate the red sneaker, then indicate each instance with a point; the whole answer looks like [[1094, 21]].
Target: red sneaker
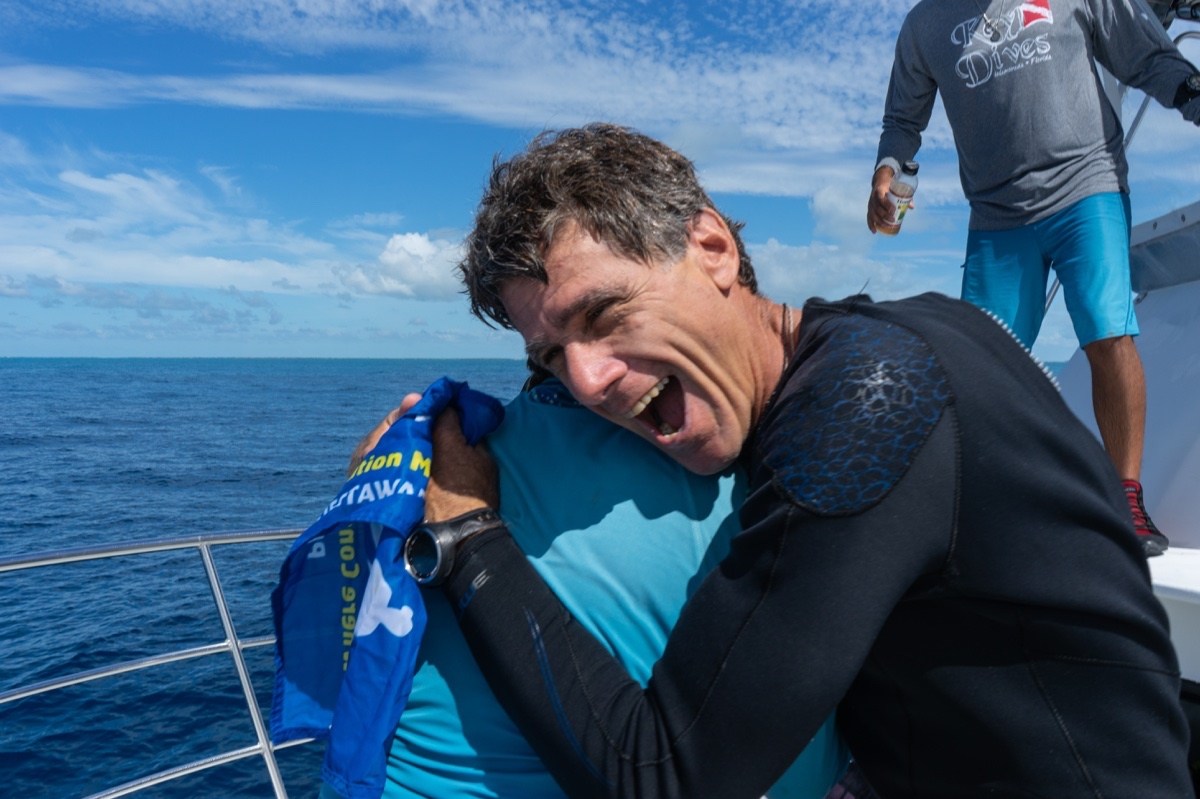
[[1153, 541]]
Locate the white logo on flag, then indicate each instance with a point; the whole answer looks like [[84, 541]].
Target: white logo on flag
[[375, 609]]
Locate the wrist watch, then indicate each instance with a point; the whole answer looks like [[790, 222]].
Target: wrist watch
[[1188, 90], [430, 547]]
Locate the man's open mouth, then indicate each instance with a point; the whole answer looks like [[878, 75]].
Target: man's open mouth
[[660, 408]]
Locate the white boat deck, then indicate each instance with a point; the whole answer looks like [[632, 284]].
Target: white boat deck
[[1176, 576], [1169, 316]]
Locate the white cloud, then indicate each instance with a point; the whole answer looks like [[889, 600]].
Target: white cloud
[[412, 265], [769, 99], [284, 25], [146, 226], [793, 274], [388, 219], [781, 99], [781, 79], [12, 287], [224, 179], [13, 152], [839, 213], [134, 198]]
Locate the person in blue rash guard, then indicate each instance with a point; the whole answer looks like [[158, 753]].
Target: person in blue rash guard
[[623, 535], [931, 541]]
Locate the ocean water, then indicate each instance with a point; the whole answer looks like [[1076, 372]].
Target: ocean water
[[97, 451]]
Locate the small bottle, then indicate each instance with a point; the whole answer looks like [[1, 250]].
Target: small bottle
[[900, 192]]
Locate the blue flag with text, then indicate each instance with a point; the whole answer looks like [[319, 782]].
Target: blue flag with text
[[348, 617]]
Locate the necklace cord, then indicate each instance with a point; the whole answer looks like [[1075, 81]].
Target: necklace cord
[[785, 336], [989, 27]]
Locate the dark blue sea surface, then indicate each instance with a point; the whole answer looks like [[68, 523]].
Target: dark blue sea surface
[[99, 451]]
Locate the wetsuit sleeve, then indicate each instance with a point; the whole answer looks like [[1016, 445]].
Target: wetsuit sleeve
[[760, 656]]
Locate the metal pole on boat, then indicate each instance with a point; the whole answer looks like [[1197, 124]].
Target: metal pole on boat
[[239, 661], [1137, 119]]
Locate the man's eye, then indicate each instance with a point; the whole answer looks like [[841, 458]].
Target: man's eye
[[597, 311]]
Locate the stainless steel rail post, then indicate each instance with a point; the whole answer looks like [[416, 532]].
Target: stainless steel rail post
[[239, 661]]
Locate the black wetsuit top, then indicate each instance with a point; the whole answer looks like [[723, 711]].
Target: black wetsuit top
[[932, 542]]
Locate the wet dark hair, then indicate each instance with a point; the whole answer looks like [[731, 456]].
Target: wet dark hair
[[629, 191]]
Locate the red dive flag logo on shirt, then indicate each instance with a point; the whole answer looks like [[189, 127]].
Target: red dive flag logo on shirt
[[1036, 11]]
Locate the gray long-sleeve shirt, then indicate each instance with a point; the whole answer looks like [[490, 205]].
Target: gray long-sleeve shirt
[[1032, 126]]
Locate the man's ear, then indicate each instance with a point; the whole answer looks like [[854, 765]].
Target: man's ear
[[714, 246]]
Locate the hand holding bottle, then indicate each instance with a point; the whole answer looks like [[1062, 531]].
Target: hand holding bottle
[[891, 198], [900, 197]]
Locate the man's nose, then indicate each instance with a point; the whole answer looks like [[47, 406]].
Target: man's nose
[[592, 371]]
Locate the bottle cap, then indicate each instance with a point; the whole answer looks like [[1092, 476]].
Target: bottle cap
[[911, 167]]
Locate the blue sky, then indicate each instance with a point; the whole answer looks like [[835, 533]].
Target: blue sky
[[293, 178]]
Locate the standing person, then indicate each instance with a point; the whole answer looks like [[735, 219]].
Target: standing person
[[931, 542], [624, 535], [1042, 163]]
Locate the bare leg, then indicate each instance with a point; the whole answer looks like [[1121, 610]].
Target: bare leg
[[1119, 401]]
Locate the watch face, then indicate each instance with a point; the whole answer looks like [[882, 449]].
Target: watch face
[[422, 555], [1193, 83]]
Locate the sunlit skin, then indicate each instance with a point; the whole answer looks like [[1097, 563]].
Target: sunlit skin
[[612, 329]]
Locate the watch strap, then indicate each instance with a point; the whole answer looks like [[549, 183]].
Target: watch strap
[[430, 551], [466, 524], [470, 546]]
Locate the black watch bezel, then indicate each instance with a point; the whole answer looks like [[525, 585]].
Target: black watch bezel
[[1188, 90], [430, 547]]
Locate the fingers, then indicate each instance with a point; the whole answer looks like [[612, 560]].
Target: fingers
[[876, 213], [407, 403], [447, 432], [463, 477], [879, 208], [369, 441]]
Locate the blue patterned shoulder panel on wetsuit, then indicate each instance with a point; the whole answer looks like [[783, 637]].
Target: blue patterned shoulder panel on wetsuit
[[853, 415]]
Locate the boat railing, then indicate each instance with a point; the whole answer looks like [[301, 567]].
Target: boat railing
[[234, 646], [1137, 118]]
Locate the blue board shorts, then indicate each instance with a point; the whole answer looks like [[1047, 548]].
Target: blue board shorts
[[1087, 245]]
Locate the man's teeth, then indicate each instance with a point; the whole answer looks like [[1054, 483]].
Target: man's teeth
[[666, 429], [645, 401]]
